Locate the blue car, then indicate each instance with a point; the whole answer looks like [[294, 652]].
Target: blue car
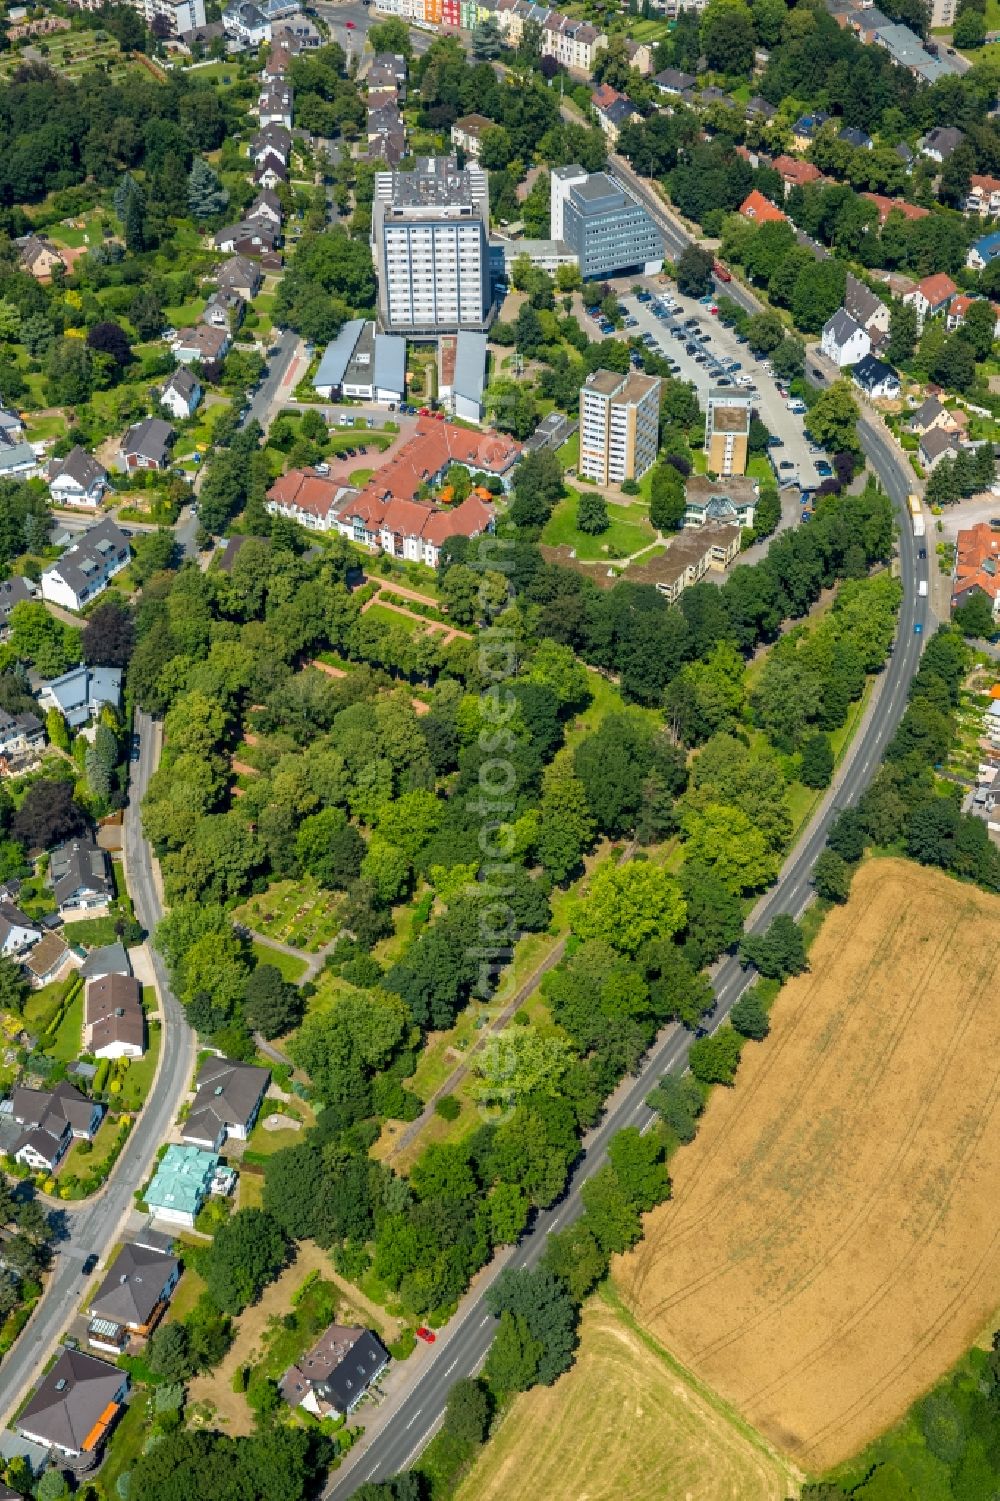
[[918, 629]]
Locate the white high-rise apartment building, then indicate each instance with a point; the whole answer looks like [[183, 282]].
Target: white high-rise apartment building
[[430, 242], [619, 426]]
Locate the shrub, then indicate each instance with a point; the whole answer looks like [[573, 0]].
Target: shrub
[[448, 1108]]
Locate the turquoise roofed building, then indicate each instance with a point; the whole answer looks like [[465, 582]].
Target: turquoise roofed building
[[181, 1184]]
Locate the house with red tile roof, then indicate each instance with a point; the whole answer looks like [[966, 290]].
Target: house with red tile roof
[[958, 310], [886, 206], [984, 195], [931, 296], [755, 206], [795, 173], [977, 566]]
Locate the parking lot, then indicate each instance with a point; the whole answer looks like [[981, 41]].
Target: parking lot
[[721, 344]]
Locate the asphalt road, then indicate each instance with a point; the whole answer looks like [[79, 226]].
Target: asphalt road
[[417, 1411], [93, 1226]]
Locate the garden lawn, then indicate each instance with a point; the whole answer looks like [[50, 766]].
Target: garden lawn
[[299, 913], [629, 531], [291, 967], [91, 932], [138, 1078], [68, 1042], [388, 616], [126, 1443]]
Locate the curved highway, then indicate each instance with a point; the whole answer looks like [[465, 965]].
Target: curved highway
[[408, 1419]]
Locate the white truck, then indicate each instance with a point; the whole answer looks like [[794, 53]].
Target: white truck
[[922, 588]]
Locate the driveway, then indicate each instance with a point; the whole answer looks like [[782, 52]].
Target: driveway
[[722, 343]]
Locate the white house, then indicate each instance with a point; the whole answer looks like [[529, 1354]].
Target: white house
[[246, 24], [77, 480], [844, 340], [17, 932], [86, 568], [181, 394], [876, 379], [114, 1023], [931, 296]]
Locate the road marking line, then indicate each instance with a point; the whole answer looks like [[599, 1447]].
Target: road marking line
[[413, 1420], [452, 1366]]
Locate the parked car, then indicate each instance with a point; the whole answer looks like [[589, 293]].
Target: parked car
[[775, 442], [90, 1263], [823, 469], [427, 1335]]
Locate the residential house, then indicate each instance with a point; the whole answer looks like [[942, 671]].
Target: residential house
[[691, 556], [203, 344], [268, 173], [331, 1379], [755, 206], [859, 139], [17, 932], [759, 108], [181, 394], [673, 81], [977, 566], [795, 173], [806, 128], [47, 960], [614, 111], [573, 43], [241, 275], [843, 339], [18, 459], [75, 1405], [22, 737], [246, 24], [876, 379], [940, 142], [931, 296], [274, 105], [17, 590], [228, 1097], [930, 413], [887, 206], [110, 959], [266, 207], [984, 196], [82, 693], [39, 257], [77, 480], [273, 139], [865, 307], [224, 310], [249, 237], [114, 1023], [387, 70], [183, 1181], [85, 569], [934, 444], [133, 1296], [640, 56], [80, 875], [49, 1121], [467, 133], [146, 445], [906, 155], [958, 310], [730, 500], [984, 251]]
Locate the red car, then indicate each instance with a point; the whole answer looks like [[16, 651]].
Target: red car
[[423, 411], [427, 1335], [438, 416], [349, 25]]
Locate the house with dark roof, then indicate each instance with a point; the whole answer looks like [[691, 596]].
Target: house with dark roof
[[673, 81], [16, 590], [268, 173], [934, 444], [729, 500], [181, 393], [266, 207], [18, 933], [876, 379], [77, 480], [80, 875], [146, 445], [75, 1405], [333, 1377], [228, 1097], [22, 737], [133, 1296], [39, 257], [85, 569], [47, 960], [864, 307], [859, 139], [50, 1119], [248, 237], [759, 108], [843, 339], [111, 959], [114, 1023], [240, 274], [203, 344], [940, 142]]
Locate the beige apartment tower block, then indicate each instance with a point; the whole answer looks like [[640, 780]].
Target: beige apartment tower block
[[619, 426]]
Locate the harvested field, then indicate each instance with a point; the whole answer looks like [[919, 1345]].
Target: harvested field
[[832, 1246], [623, 1426]]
